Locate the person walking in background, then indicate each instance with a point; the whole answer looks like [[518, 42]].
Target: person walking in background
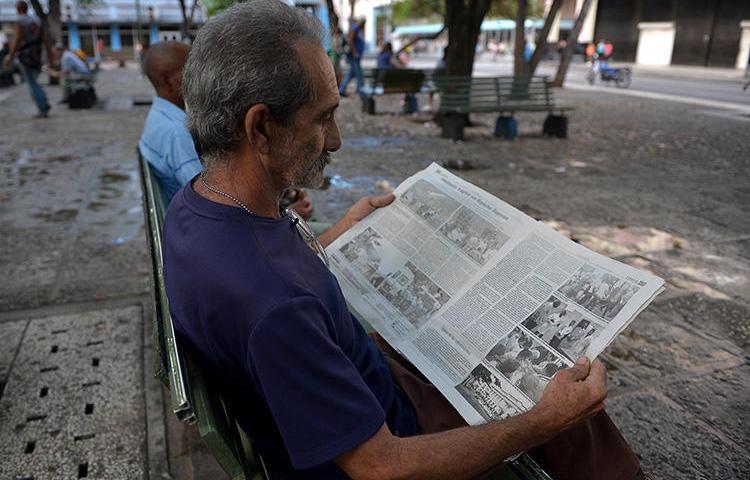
[[354, 56], [608, 48], [27, 46], [590, 51]]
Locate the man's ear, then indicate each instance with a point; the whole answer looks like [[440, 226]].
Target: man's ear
[[258, 127]]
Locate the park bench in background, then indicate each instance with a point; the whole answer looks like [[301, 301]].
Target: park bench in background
[[393, 80], [505, 95], [193, 399]]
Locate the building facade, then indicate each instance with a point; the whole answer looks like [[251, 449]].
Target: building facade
[[713, 33], [110, 27]]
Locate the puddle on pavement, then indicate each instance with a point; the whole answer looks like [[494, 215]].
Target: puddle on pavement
[[116, 203], [340, 192], [60, 158], [367, 184], [109, 177], [59, 216], [379, 142], [108, 190]]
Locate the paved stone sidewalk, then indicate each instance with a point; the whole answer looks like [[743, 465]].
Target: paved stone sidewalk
[[77, 396], [662, 186]]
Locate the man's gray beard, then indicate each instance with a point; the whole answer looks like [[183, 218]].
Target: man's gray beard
[[314, 177]]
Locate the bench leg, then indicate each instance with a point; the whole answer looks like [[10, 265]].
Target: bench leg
[[506, 126], [556, 126], [368, 104], [453, 127]]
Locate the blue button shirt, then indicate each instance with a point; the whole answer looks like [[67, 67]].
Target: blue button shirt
[[168, 147]]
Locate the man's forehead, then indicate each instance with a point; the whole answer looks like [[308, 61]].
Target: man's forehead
[[320, 71]]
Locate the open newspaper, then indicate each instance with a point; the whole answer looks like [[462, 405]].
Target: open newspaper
[[485, 301]]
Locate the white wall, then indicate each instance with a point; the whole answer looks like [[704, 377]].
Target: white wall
[[362, 9], [655, 43], [744, 53]]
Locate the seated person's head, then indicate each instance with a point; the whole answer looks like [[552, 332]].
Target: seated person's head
[[22, 7], [260, 89], [163, 66]]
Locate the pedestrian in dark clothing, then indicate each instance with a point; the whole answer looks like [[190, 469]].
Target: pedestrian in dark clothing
[[354, 56], [27, 46]]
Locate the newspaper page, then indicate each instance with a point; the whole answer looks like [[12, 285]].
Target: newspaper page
[[485, 301]]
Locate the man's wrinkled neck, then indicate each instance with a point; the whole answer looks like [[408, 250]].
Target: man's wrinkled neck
[[242, 174]]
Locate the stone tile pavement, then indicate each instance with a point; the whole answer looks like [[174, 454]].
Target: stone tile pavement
[[659, 185]]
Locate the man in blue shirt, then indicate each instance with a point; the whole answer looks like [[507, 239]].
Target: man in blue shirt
[[166, 143], [268, 321], [354, 57]]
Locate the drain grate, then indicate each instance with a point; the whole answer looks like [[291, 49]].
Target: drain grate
[[73, 405]]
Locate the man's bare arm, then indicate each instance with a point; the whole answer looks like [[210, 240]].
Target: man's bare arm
[[16, 42], [573, 395], [352, 37]]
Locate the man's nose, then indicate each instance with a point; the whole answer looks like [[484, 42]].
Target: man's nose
[[333, 138]]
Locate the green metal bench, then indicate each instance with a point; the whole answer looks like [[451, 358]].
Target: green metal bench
[[392, 80], [192, 398], [505, 95]]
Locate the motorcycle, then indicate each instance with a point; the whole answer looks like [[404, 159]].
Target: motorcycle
[[621, 76]]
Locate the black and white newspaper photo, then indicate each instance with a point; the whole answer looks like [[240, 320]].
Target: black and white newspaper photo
[[485, 301]]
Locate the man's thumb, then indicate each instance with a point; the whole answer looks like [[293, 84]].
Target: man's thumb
[[382, 200]]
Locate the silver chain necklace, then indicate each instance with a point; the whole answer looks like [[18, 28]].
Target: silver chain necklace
[[225, 194], [303, 228]]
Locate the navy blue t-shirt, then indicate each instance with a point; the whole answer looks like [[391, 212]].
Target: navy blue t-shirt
[[268, 321]]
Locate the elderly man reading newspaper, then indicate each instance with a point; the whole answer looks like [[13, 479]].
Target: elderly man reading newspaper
[[268, 320]]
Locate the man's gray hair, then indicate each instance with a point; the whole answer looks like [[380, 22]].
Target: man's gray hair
[[240, 58]]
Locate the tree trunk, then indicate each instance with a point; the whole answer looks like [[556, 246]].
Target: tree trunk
[[352, 3], [187, 18], [333, 18], [541, 44], [519, 61], [190, 19], [38, 9], [463, 20], [567, 54]]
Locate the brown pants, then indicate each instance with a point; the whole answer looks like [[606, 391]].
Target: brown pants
[[592, 450]]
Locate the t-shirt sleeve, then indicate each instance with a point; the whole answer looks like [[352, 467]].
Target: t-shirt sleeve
[[321, 405], [183, 158]]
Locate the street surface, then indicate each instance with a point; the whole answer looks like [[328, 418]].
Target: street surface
[[661, 185]]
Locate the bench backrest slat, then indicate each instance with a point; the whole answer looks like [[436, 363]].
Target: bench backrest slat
[[398, 80], [467, 94]]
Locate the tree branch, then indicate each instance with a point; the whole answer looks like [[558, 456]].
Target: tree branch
[[192, 13], [541, 44], [431, 36], [38, 9], [567, 54]]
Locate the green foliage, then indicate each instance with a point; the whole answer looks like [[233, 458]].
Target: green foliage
[[409, 11], [406, 11], [215, 6]]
